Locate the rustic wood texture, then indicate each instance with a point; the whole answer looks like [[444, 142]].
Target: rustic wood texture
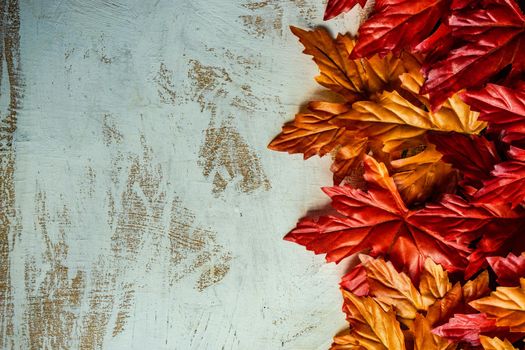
[[140, 208]]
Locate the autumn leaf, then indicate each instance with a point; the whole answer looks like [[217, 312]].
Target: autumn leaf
[[506, 306], [474, 156], [346, 341], [424, 339], [490, 35], [398, 24], [434, 283], [355, 80], [495, 344], [509, 269], [378, 220], [507, 183], [312, 133], [393, 120], [492, 226], [466, 328], [502, 107], [391, 288], [372, 326], [421, 176], [336, 7], [356, 281]]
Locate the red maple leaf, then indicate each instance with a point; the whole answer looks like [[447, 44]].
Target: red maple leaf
[[336, 7], [398, 24], [355, 281], [509, 269], [489, 37], [466, 328], [502, 107], [507, 184], [378, 220]]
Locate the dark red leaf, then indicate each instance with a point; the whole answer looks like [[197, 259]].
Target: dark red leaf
[[474, 156], [336, 7], [398, 24], [465, 223], [437, 45], [509, 270], [494, 33], [502, 107], [507, 184]]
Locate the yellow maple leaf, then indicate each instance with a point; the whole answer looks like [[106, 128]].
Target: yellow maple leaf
[[424, 339], [353, 79], [495, 343], [372, 327], [392, 288], [506, 305]]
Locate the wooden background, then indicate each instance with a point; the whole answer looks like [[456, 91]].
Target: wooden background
[[140, 208]]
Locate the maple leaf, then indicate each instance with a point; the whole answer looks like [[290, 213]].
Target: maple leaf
[[507, 184], [377, 219], [372, 327], [391, 288], [466, 328], [398, 24], [495, 344], [425, 340], [493, 35], [506, 306], [311, 133], [357, 79], [502, 107], [397, 119], [336, 7], [492, 225], [509, 269]]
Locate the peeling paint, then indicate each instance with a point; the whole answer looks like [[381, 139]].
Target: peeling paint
[[207, 79], [227, 158], [53, 296], [165, 86], [11, 90]]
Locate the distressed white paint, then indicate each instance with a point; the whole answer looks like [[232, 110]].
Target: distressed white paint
[[90, 62]]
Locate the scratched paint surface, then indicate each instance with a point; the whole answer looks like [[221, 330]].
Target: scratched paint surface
[[140, 208]]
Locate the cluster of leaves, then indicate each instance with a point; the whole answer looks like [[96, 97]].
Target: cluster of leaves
[[427, 133], [385, 310]]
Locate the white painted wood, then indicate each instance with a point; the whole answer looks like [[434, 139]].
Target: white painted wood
[[120, 240]]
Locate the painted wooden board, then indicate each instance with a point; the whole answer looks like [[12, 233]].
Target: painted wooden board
[[140, 208]]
